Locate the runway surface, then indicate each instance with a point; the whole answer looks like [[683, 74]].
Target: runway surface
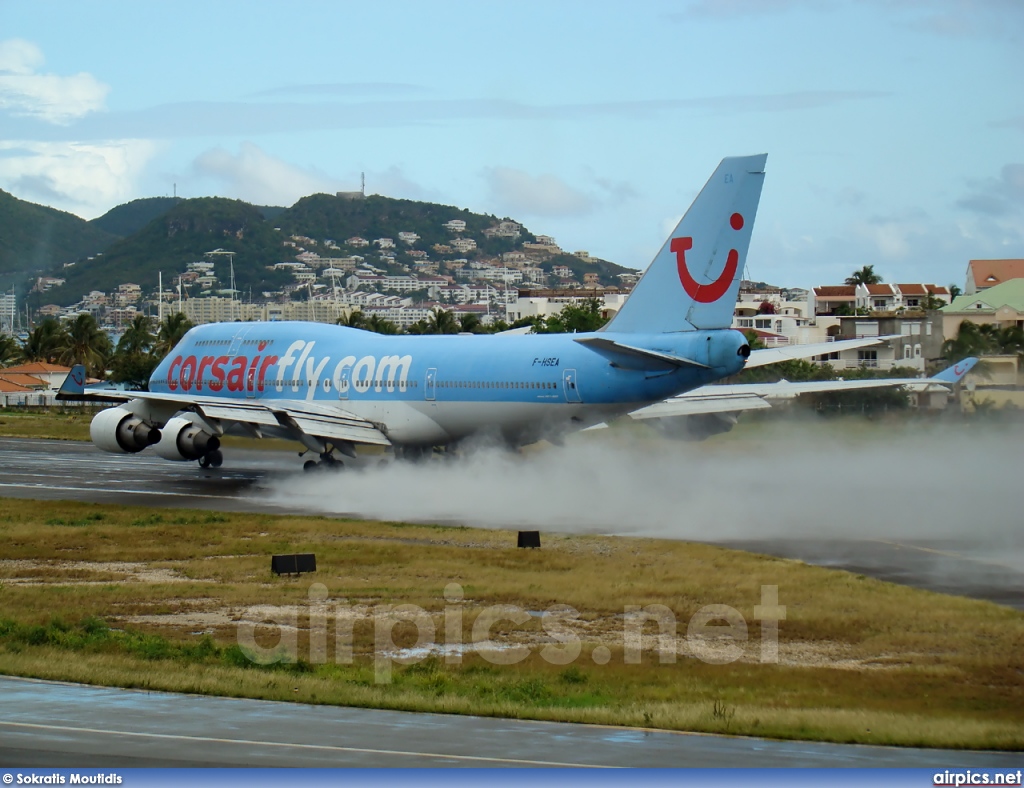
[[46, 724], [52, 724], [71, 470]]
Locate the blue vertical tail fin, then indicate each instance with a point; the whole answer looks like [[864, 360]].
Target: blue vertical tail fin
[[693, 281]]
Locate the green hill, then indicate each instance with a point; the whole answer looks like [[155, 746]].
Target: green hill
[[37, 240], [164, 235], [177, 237], [323, 216], [129, 218]]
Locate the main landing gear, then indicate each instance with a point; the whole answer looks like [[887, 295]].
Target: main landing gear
[[212, 459], [327, 462]]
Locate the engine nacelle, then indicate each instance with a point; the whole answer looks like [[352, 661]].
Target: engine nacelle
[[119, 431], [183, 439]]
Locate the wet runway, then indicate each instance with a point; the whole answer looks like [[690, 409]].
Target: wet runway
[[48, 724], [71, 470], [52, 724]]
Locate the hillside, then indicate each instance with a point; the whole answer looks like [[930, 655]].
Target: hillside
[[323, 216], [36, 239], [180, 235], [164, 235], [130, 217], [326, 216]]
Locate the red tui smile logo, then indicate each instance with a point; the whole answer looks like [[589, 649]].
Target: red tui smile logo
[[709, 293]]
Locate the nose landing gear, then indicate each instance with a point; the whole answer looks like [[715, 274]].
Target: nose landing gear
[[212, 459]]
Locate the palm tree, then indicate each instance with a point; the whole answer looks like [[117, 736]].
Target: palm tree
[[170, 333], [138, 338], [44, 342], [354, 319], [442, 321], [380, 325], [132, 362], [86, 344], [954, 291], [10, 350], [865, 276], [980, 339], [471, 324]]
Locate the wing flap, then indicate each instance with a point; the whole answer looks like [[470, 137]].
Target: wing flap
[[318, 421], [352, 429], [695, 404]]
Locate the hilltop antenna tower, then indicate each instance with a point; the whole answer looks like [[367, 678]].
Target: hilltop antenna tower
[[362, 188]]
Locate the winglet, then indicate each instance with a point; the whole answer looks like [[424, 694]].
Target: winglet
[[73, 386], [955, 373]]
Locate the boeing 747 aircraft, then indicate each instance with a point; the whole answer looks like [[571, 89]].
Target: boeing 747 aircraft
[[333, 388]]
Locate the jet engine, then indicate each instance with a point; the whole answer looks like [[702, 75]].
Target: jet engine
[[183, 439], [119, 431]]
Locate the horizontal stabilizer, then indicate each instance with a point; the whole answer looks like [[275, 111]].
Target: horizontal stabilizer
[[629, 357], [773, 355]]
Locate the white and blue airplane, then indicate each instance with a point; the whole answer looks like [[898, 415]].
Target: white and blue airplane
[[334, 388]]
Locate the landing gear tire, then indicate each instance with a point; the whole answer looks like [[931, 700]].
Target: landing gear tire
[[327, 462], [414, 454], [213, 459]]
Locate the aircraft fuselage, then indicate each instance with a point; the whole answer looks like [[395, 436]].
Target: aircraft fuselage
[[431, 390]]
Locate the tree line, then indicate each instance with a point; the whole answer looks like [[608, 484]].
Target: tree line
[[145, 343], [81, 341]]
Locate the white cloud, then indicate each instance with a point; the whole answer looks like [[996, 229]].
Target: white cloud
[[84, 178], [257, 177], [55, 99], [518, 193]]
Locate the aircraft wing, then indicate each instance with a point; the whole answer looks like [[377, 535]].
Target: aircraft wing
[[773, 355], [703, 400], [310, 418], [754, 396]]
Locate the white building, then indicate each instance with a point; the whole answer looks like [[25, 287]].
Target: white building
[[463, 245]]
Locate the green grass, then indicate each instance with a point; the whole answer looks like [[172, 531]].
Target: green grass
[[136, 597]]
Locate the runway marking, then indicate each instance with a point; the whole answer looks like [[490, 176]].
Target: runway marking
[[115, 490], [329, 747], [947, 554]]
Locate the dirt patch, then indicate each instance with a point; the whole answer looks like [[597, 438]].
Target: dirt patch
[[607, 632], [30, 572]]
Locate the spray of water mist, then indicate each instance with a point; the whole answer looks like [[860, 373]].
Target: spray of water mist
[[795, 481]]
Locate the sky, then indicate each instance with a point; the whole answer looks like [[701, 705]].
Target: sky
[[894, 128]]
